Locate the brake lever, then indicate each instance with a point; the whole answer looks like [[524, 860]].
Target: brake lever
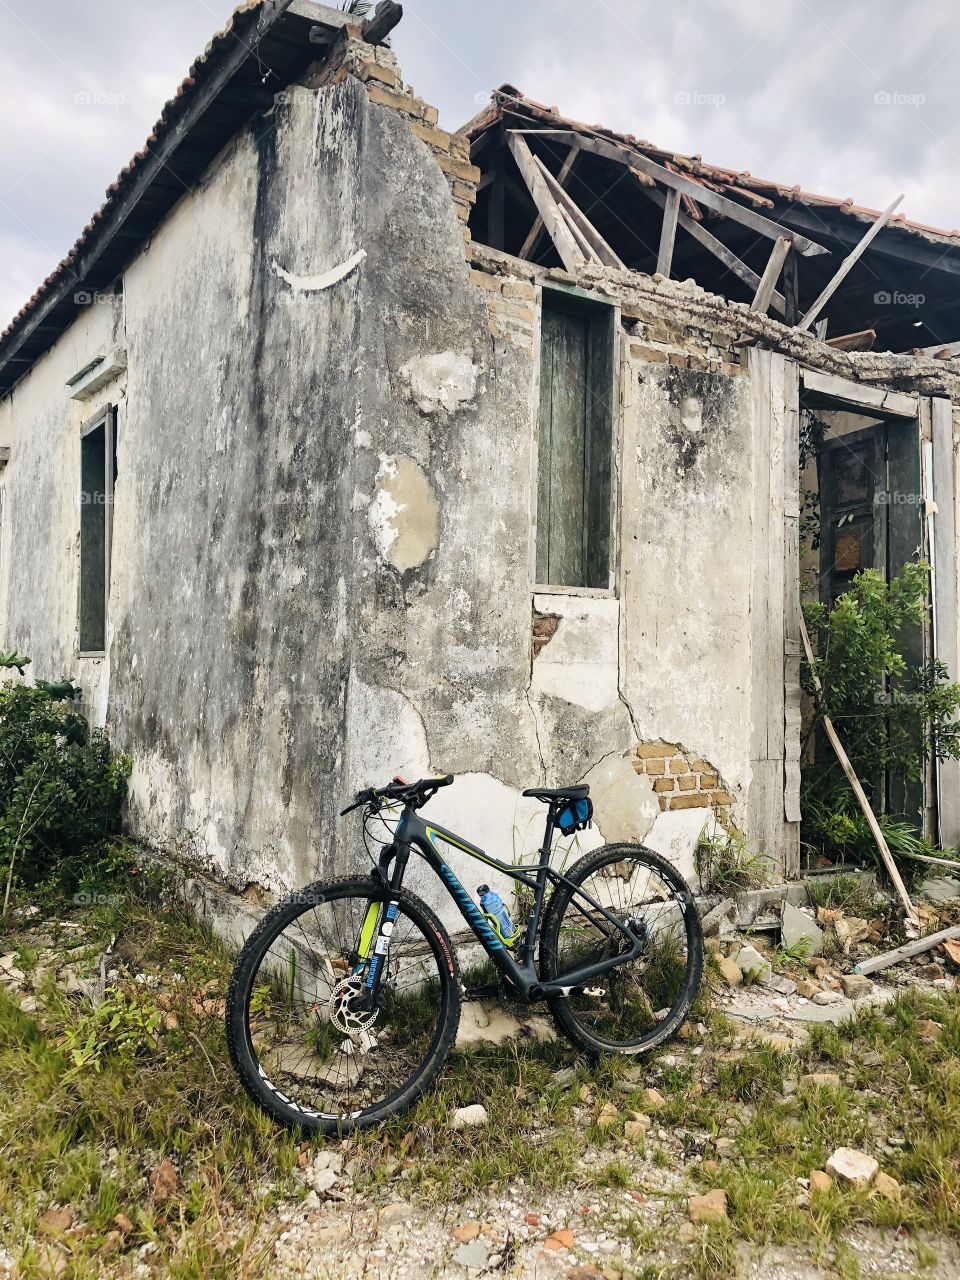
[[362, 798]]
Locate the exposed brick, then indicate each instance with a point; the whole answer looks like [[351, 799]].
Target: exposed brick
[[679, 766], [481, 278], [431, 115], [680, 361], [656, 766], [386, 75], [652, 355], [692, 800], [721, 797], [656, 750], [396, 101], [708, 781], [465, 191], [515, 310], [460, 146], [459, 169], [701, 766], [439, 139], [665, 784], [639, 766], [688, 782], [731, 370]]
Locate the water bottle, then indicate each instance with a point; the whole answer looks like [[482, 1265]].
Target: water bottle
[[497, 914]]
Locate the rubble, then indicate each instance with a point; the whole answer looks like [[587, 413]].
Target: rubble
[[798, 929], [855, 1168]]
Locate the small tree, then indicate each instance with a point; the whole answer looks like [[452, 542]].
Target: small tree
[[891, 715]]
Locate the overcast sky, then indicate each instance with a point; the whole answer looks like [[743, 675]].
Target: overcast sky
[[854, 99]]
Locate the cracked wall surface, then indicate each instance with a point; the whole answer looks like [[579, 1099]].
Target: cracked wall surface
[[323, 520]]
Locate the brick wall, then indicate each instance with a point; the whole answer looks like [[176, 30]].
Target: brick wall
[[683, 780]]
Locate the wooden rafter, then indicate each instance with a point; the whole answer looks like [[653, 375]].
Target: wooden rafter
[[704, 195], [668, 232], [718, 249], [847, 265], [567, 247], [599, 248], [768, 281], [536, 231]]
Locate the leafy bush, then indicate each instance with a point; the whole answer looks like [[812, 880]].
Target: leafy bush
[[891, 715], [61, 785]]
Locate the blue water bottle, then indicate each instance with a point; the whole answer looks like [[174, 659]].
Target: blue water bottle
[[497, 914]]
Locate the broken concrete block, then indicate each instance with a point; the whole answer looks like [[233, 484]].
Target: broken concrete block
[[797, 929], [469, 1117], [753, 966], [720, 920], [940, 889], [782, 986], [807, 990], [855, 1168], [828, 997]]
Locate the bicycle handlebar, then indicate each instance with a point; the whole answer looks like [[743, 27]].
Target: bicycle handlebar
[[415, 794]]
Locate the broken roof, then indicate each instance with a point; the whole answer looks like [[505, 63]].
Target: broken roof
[[264, 46], [904, 287]]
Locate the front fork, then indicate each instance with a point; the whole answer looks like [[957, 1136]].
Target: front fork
[[373, 943]]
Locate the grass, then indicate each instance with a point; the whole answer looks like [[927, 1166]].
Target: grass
[[725, 865], [91, 1100]]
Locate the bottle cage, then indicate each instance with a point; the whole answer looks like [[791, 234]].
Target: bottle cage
[[575, 816]]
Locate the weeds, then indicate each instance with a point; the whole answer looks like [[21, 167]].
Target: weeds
[[725, 865]]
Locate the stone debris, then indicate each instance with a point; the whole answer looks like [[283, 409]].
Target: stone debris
[[471, 1117], [820, 1181], [753, 966], [940, 890], [474, 1255], [467, 1232], [720, 921], [884, 1185], [730, 971], [822, 1079], [711, 1207], [929, 1030], [855, 1168], [653, 1100], [164, 1181], [855, 986], [608, 1116], [800, 930]]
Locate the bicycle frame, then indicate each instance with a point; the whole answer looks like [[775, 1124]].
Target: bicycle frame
[[414, 832]]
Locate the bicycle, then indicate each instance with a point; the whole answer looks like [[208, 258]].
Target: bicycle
[[345, 1000]]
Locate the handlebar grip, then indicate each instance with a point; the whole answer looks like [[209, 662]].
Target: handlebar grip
[[445, 781]]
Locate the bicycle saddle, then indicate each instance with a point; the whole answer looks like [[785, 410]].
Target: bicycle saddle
[[549, 794]]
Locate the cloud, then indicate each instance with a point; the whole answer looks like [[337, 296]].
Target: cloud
[[843, 100]]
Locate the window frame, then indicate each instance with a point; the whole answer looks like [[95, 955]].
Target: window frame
[[106, 417], [596, 303]]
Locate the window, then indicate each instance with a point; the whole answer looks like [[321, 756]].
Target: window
[[97, 474], [575, 452]]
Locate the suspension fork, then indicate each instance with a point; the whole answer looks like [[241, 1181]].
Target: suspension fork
[[373, 944]]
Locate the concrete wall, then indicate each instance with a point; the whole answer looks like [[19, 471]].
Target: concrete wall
[[323, 524]]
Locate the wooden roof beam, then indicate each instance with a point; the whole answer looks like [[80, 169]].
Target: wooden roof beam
[[571, 255], [847, 265]]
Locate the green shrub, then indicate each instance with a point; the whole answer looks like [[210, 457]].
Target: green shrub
[[61, 785]]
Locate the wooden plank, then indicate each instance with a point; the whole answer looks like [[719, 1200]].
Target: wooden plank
[[582, 242], [703, 195], [764, 295], [905, 245], [905, 952], [791, 289], [791, 611], [848, 264], [570, 253], [717, 248], [860, 341], [599, 248], [941, 351], [668, 232], [858, 791], [861, 395], [536, 231], [945, 603]]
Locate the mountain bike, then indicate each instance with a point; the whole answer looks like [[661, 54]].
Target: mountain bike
[[345, 1000]]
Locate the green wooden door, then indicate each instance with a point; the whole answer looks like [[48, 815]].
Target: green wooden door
[[575, 448]]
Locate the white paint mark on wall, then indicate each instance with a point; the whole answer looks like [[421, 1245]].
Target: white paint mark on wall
[[440, 383], [325, 280], [624, 803], [404, 517], [581, 662]]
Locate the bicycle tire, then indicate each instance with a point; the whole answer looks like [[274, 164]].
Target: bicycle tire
[[240, 1041], [578, 1030]]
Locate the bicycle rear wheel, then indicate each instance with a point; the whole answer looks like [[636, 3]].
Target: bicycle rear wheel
[[300, 1050], [637, 1005]]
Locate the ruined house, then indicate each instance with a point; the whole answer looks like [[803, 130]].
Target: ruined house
[[341, 446]]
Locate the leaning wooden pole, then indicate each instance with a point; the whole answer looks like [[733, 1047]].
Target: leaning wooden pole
[[858, 790]]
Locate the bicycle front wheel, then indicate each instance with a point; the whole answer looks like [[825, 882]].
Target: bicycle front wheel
[[639, 1004], [302, 1044]]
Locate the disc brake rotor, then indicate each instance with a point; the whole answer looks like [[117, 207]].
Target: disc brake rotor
[[345, 1019]]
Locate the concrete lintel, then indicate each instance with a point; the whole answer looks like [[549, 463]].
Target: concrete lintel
[[96, 375]]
